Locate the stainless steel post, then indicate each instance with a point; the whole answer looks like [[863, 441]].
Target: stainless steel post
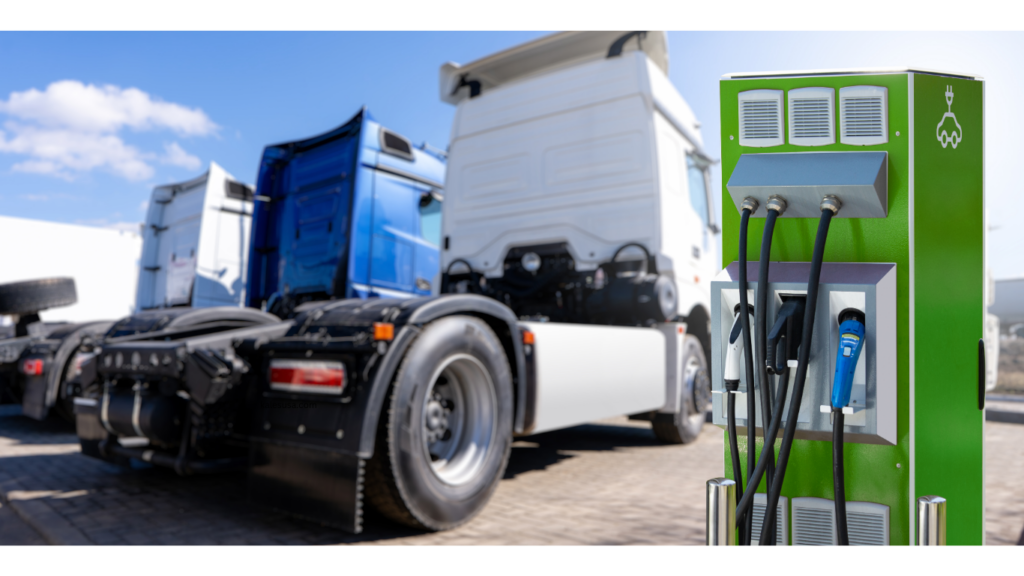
[[931, 521], [721, 512]]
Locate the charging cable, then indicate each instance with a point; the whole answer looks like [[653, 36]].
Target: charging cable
[[743, 521], [851, 342], [830, 206]]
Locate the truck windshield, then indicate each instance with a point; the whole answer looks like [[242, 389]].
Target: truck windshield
[[698, 188], [430, 219]]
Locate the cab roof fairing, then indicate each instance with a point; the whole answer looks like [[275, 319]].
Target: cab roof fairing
[[545, 54]]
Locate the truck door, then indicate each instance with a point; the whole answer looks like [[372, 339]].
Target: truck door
[[402, 261], [177, 238], [704, 251], [317, 210]]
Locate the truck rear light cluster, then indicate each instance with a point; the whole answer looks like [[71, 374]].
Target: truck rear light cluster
[[318, 377], [32, 367]]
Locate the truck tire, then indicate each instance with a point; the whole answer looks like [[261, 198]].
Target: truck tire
[[445, 438], [684, 426], [35, 295]]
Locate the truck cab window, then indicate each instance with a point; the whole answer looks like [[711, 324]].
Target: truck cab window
[[698, 188], [430, 218]]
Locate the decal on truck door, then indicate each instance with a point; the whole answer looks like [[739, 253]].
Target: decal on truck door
[[181, 273]]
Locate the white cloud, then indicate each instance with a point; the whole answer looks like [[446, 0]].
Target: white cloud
[[89, 108], [176, 156], [144, 206], [35, 197], [70, 128]]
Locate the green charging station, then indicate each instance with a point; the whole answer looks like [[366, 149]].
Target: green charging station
[[896, 158]]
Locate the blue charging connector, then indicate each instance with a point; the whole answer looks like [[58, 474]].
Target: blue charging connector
[[851, 342]]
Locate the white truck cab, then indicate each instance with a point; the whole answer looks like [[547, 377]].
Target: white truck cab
[[195, 243], [564, 145]]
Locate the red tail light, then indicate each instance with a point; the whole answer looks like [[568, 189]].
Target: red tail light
[[318, 377], [32, 367]]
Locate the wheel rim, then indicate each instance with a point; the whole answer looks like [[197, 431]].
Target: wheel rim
[[459, 419], [699, 385]]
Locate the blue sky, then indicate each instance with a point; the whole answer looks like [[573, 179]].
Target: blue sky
[[78, 145]]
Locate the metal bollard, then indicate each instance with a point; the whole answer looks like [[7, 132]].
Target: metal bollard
[[931, 521], [721, 512]]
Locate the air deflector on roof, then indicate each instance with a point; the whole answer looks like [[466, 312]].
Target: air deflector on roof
[[858, 179]]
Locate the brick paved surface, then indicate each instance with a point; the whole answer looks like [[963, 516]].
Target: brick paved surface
[[605, 483]]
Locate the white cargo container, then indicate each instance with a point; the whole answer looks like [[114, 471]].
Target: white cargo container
[[103, 262], [196, 243]]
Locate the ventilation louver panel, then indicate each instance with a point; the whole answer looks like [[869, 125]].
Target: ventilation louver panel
[[867, 524], [812, 116], [761, 118], [864, 115], [814, 523], [781, 525]]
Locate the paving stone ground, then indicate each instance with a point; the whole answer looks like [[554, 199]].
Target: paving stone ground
[[605, 483], [609, 482]]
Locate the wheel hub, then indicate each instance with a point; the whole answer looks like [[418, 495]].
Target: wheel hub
[[459, 419], [699, 383], [437, 413]]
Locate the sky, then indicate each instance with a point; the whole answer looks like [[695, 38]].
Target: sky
[[90, 122]]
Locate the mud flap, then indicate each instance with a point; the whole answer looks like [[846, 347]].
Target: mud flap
[[314, 483], [33, 401], [88, 427]]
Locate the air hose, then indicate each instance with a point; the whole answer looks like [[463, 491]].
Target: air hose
[[830, 206], [745, 522]]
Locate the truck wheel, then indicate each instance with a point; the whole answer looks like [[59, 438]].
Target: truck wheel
[[685, 425], [445, 438], [35, 295]]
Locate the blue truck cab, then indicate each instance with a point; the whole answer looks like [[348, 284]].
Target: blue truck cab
[[352, 213]]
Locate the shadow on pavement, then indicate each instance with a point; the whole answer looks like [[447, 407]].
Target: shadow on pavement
[[553, 447], [111, 504]]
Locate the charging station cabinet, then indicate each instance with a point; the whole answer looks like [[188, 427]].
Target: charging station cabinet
[[903, 150]]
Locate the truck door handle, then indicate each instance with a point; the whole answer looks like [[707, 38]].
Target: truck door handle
[[981, 374]]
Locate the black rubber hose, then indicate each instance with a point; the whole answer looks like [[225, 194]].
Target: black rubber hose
[[813, 282], [761, 336], [773, 430], [838, 479], [734, 453], [747, 521], [780, 402]]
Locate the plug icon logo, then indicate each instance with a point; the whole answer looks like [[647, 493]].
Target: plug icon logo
[[951, 133]]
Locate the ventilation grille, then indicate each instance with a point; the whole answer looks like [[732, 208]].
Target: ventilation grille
[[782, 521], [867, 524], [811, 116], [814, 523], [761, 118], [863, 115]]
